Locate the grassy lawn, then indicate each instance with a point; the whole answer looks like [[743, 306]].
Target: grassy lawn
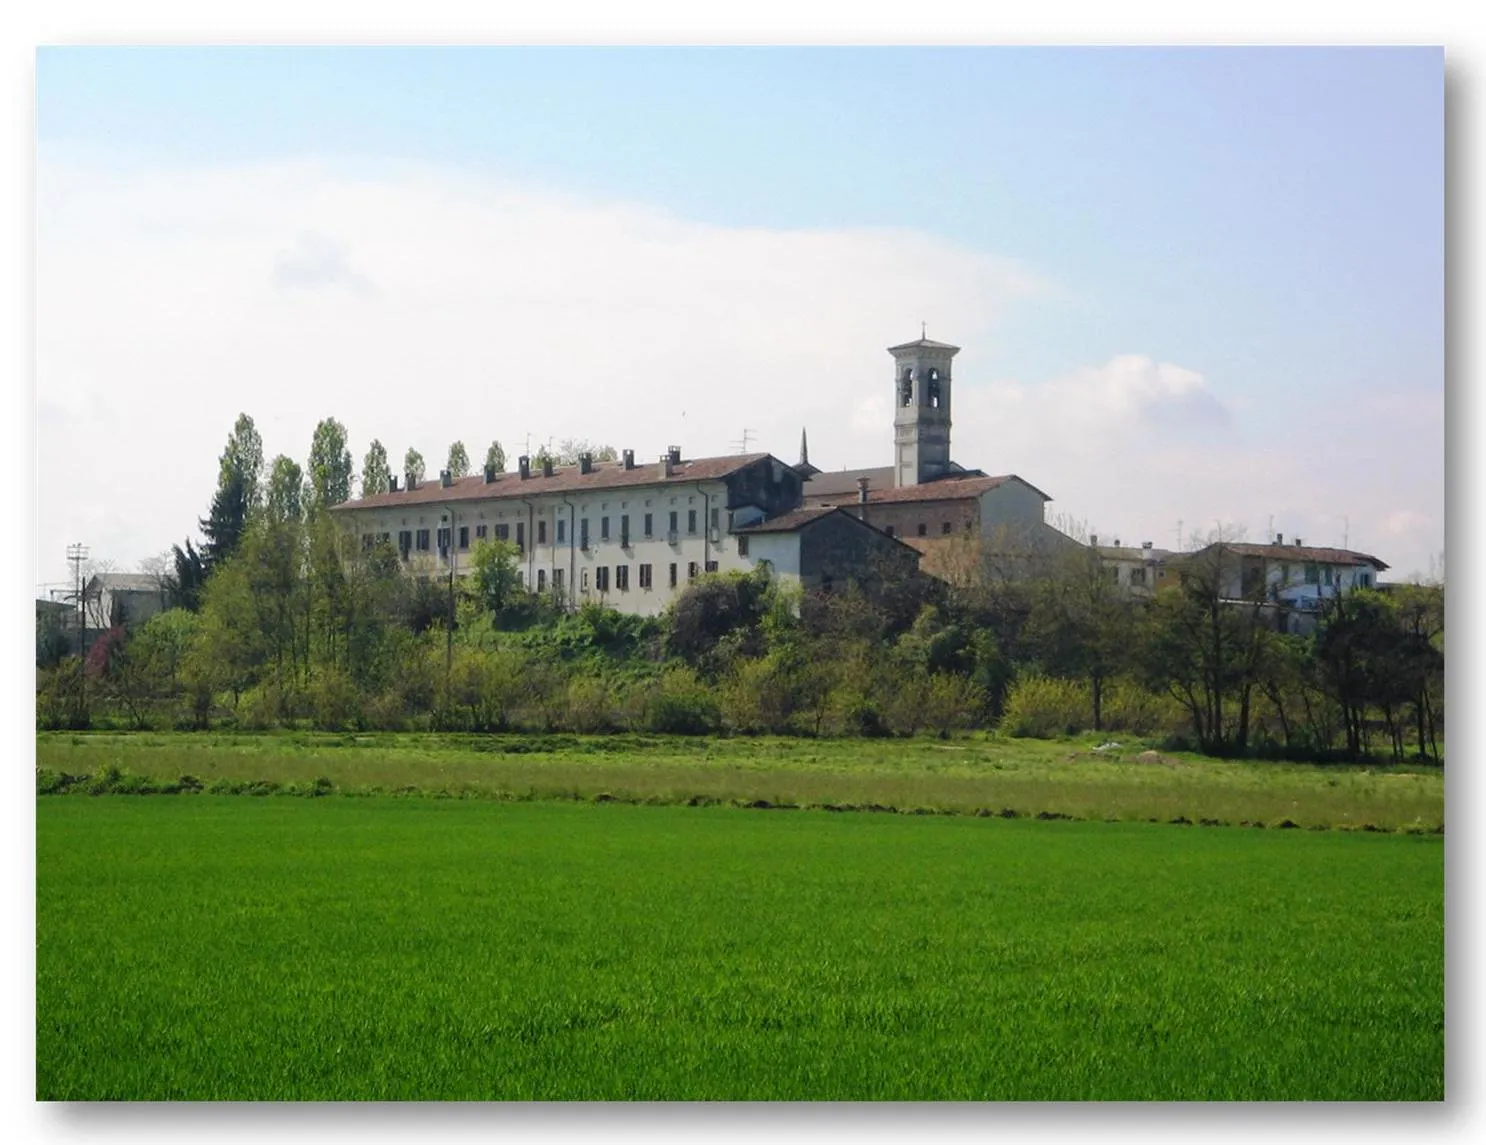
[[215, 947], [973, 774]]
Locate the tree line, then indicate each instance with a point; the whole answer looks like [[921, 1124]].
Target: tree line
[[283, 620]]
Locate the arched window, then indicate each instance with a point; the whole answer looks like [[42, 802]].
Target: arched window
[[905, 387], [934, 391]]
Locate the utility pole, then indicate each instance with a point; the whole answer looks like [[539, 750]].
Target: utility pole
[[77, 554]]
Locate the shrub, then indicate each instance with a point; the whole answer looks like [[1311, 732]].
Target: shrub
[[1129, 707], [1042, 707], [334, 699], [680, 704], [588, 705]]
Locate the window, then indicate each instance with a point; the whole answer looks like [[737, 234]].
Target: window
[[562, 532], [890, 531], [644, 576], [603, 528], [541, 532], [557, 580], [464, 536], [383, 538], [1312, 574], [742, 546], [1137, 576], [947, 528], [541, 580], [1326, 575], [691, 520], [1114, 574], [521, 535], [423, 540], [583, 533], [366, 542], [715, 523], [503, 532], [647, 524], [624, 530], [691, 570], [585, 580], [673, 522], [621, 577], [923, 529], [1284, 574], [479, 532], [934, 392], [711, 566], [443, 539], [601, 578], [673, 574], [1364, 579], [404, 543], [905, 387]]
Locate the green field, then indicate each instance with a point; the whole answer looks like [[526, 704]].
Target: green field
[[228, 947], [984, 774]]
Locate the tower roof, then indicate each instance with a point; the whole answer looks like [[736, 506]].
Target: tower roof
[[924, 344]]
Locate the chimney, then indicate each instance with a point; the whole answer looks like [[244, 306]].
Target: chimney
[[585, 463], [523, 466], [1279, 538], [862, 490], [489, 474], [446, 478], [665, 464], [1093, 540], [629, 458], [546, 467], [1117, 542], [1298, 542], [412, 482], [392, 486], [674, 453], [1147, 545]]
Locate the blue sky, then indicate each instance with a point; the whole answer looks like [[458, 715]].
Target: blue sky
[[1266, 221]]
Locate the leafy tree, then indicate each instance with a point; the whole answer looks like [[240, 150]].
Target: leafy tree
[[284, 500], [376, 472], [329, 467], [459, 461], [412, 465], [495, 457], [494, 580], [570, 449], [719, 617]]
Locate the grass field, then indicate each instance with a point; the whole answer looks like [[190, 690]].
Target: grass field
[[974, 774], [227, 947]]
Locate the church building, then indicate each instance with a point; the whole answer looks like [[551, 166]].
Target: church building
[[632, 536]]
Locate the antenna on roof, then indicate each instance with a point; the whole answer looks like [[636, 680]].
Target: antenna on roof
[[742, 445]]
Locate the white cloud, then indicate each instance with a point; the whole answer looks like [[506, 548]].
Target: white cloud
[[420, 305]]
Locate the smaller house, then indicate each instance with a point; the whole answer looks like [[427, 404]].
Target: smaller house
[[127, 599], [1295, 579], [824, 547], [1140, 571]]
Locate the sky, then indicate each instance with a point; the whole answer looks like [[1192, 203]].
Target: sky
[[1193, 287]]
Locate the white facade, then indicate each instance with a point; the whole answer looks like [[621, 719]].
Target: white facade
[[634, 548]]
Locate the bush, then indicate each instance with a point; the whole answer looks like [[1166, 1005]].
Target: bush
[[1041, 707], [680, 704], [1129, 707], [334, 700], [588, 705]]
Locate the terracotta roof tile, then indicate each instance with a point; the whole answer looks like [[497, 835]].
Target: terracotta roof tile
[[1303, 554], [945, 489], [564, 479]]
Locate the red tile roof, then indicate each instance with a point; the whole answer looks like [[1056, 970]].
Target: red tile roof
[[564, 479], [945, 489], [793, 520], [1302, 554]]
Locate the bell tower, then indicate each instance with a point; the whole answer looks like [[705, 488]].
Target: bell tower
[[921, 397]]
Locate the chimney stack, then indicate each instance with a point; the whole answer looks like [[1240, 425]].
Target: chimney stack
[[1299, 543], [674, 453], [585, 463], [546, 467], [412, 482], [629, 458], [392, 486], [523, 466], [489, 474], [1279, 538], [1147, 544], [446, 478], [665, 464], [862, 490], [1093, 540]]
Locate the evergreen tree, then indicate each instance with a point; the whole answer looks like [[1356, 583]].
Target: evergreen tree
[[184, 585], [225, 521]]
